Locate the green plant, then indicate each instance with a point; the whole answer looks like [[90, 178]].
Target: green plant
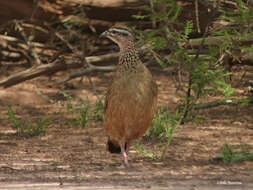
[[203, 72], [230, 156], [140, 148], [83, 116], [160, 123], [164, 126], [81, 110], [35, 129], [206, 72], [69, 104], [79, 118], [16, 121], [79, 113], [28, 128], [99, 110]]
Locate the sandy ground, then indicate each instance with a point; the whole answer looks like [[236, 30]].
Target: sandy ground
[[70, 157]]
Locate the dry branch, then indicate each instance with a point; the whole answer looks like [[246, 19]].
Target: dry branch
[[20, 43], [109, 3], [102, 58], [92, 60], [10, 55], [31, 48], [36, 71], [214, 40], [86, 71], [57, 66], [223, 102]]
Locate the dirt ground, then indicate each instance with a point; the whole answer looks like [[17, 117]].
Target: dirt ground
[[70, 157]]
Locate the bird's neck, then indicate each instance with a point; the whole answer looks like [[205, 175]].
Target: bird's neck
[[129, 58]]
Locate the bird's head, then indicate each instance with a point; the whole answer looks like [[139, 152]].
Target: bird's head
[[120, 35]]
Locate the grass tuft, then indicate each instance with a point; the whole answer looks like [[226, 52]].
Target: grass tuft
[[27, 128]]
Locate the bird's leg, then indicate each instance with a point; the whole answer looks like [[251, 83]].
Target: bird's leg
[[127, 146], [124, 153]]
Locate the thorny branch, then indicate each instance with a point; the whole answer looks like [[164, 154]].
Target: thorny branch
[[188, 98]]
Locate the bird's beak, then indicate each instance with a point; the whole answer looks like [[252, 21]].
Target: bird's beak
[[104, 34]]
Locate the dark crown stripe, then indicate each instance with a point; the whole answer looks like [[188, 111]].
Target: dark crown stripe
[[122, 31]]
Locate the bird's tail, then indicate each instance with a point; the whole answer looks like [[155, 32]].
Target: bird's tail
[[112, 148]]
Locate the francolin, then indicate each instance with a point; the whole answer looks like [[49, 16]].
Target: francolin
[[131, 100]]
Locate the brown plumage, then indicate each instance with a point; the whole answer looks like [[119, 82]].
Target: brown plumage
[[131, 100]]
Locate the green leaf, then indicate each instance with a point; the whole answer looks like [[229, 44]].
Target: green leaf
[[14, 119], [140, 17], [188, 28]]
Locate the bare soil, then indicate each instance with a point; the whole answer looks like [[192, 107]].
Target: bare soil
[[71, 157]]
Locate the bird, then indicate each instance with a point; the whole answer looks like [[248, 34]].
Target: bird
[[131, 99]]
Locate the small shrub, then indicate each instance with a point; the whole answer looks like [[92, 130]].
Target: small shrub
[[160, 123], [230, 156], [12, 116], [83, 119], [206, 73], [38, 128], [79, 111], [165, 125], [140, 148], [82, 112], [79, 115]]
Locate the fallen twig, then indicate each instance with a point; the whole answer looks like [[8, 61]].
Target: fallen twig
[[36, 71], [15, 40], [223, 102], [60, 65], [28, 42], [88, 70]]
